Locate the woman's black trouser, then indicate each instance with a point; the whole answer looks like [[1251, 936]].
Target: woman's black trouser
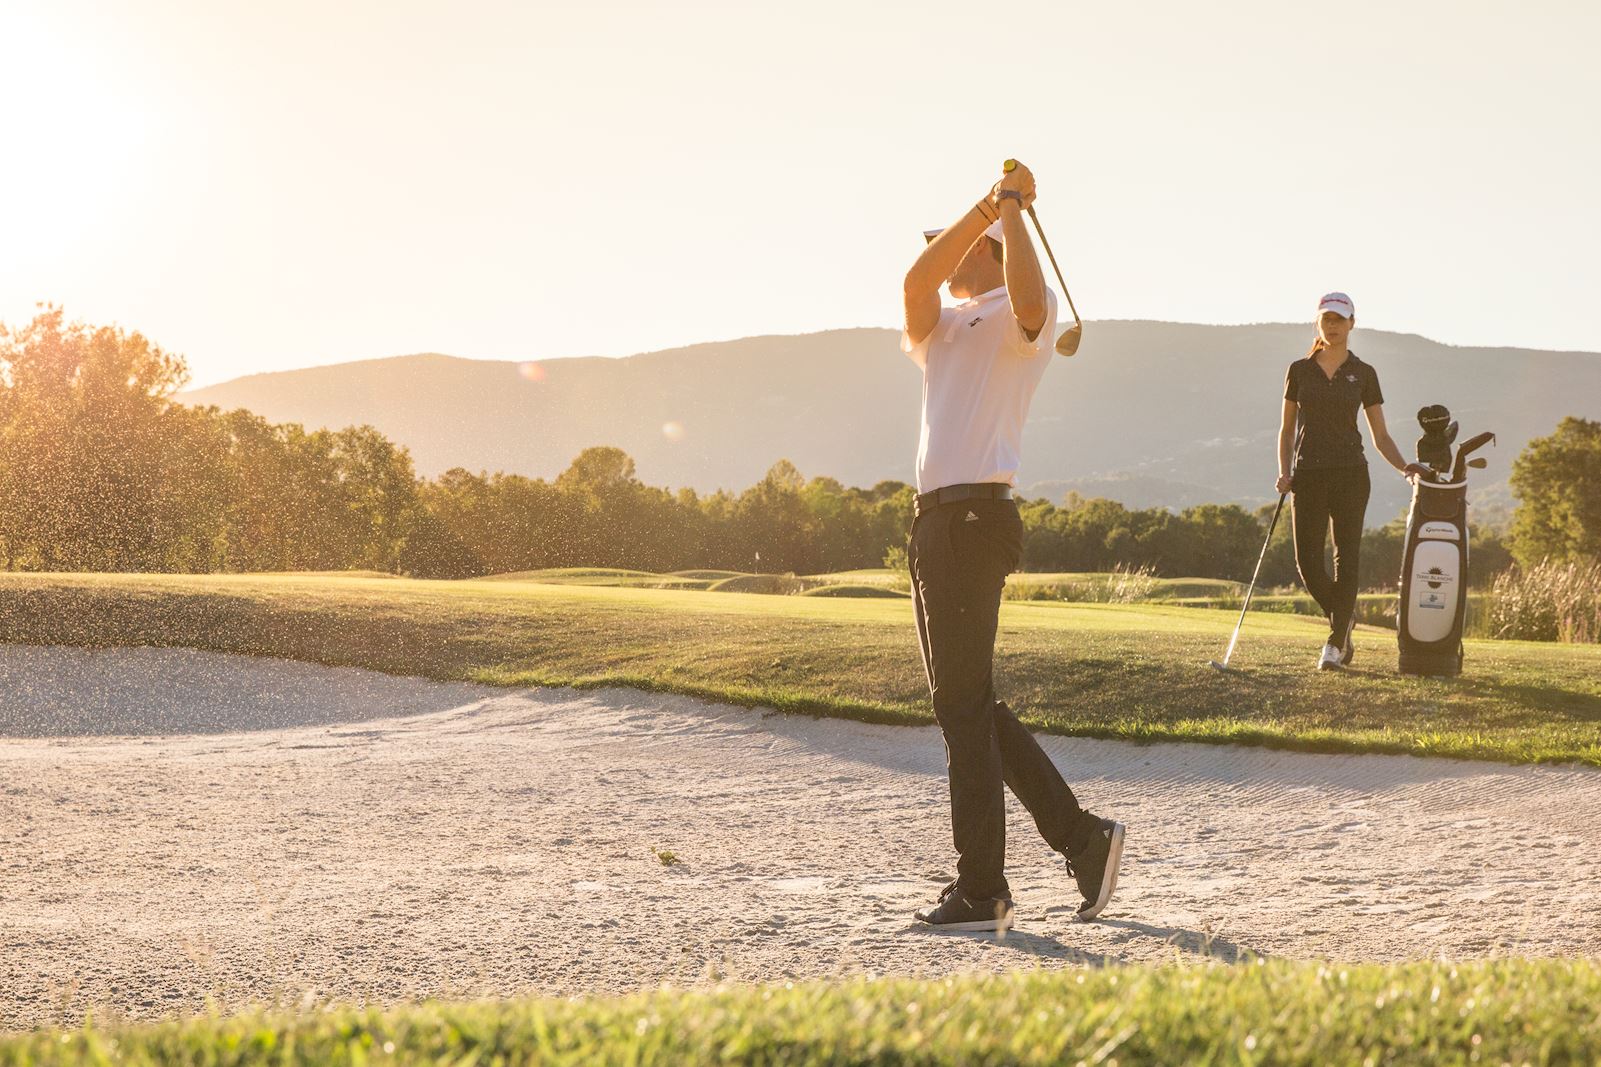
[[1337, 498], [960, 555]]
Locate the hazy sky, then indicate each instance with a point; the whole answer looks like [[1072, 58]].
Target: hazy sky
[[276, 185]]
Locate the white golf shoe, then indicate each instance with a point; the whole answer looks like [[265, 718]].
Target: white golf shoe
[[1330, 659]]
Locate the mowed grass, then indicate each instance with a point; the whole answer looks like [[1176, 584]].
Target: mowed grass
[[1128, 671], [1497, 1012]]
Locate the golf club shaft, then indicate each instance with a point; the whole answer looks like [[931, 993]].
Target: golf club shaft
[[1041, 231], [1251, 589]]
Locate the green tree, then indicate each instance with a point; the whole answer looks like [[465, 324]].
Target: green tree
[[87, 439], [1557, 481], [378, 489], [773, 520]]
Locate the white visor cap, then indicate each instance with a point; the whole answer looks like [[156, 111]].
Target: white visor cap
[[993, 232], [1338, 303]]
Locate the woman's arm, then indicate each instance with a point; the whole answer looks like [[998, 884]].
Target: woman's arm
[[1286, 444], [1384, 444]]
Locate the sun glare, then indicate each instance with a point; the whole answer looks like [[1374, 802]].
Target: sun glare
[[66, 115]]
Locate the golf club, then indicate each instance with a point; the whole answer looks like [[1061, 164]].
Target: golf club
[[1224, 666], [1468, 447], [1067, 344]]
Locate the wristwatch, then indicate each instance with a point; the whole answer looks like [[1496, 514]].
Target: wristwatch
[[1009, 194]]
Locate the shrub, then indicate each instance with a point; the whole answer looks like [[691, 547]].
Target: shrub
[[1549, 601]]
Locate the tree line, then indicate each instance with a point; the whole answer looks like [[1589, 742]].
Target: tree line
[[100, 470]]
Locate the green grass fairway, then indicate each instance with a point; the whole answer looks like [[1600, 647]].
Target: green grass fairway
[[1132, 671], [1422, 1014]]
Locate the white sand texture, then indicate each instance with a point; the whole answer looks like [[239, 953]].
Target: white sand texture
[[181, 830]]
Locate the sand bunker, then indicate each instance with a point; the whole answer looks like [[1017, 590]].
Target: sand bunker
[[178, 826]]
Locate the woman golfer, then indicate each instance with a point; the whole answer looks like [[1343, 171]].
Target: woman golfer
[[1330, 482]]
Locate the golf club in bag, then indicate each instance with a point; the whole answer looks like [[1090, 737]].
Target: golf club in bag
[[1434, 562]]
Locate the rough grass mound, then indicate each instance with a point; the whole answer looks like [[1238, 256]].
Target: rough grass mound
[[611, 576], [854, 590], [566, 574], [779, 584]]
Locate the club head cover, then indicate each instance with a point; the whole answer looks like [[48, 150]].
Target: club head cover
[[1439, 430]]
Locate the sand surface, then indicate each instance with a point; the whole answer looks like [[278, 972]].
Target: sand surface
[[180, 827]]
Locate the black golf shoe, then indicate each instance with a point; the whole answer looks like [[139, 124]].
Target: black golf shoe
[[1095, 866], [957, 912]]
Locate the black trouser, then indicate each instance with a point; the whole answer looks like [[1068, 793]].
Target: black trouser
[[1337, 497], [959, 565]]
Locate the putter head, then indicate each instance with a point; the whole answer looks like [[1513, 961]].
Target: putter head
[[1067, 344], [1216, 666]]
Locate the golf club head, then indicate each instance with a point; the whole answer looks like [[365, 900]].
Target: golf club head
[[1067, 344]]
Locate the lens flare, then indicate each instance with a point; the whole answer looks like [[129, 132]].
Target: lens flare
[[673, 431], [532, 371]]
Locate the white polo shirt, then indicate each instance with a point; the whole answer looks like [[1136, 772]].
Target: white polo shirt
[[979, 376]]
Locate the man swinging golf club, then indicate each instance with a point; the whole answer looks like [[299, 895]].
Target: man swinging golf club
[[981, 362]]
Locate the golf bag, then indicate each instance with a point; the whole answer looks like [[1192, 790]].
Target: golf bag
[[1434, 578], [1434, 564]]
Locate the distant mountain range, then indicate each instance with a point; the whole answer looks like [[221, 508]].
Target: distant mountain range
[[1149, 413]]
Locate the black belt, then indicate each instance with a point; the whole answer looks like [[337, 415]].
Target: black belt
[[950, 494]]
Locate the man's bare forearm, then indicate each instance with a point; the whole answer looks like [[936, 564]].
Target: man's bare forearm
[[1025, 282], [939, 260]]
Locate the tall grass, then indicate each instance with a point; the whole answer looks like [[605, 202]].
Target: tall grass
[[1123, 585], [1549, 602]]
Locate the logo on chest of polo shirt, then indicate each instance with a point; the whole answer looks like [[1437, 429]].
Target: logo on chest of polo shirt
[[1350, 377], [976, 320]]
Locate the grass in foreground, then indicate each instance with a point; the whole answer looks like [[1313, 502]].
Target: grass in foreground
[[1499, 1012], [1129, 671]]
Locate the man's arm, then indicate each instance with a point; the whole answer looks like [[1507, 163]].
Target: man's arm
[[1025, 282], [935, 264]]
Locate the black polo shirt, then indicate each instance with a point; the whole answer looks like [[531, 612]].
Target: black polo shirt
[[1327, 410]]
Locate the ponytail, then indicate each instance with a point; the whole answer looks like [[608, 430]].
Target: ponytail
[[1317, 346]]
